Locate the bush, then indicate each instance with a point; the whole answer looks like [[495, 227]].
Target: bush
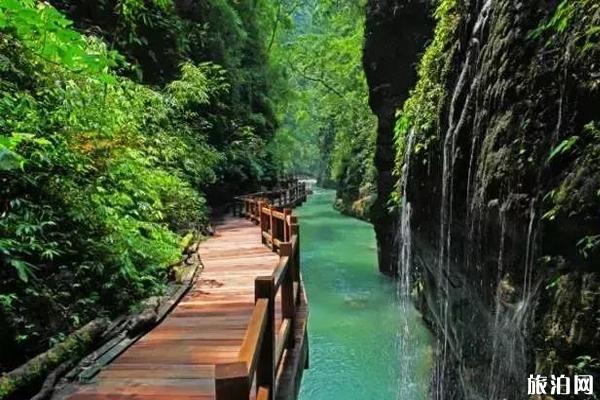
[[99, 177]]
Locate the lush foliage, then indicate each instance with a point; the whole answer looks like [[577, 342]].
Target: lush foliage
[[575, 26], [101, 175], [122, 120], [327, 127], [421, 109]]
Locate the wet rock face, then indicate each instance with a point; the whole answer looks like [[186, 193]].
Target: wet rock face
[[569, 324], [395, 34], [505, 227]]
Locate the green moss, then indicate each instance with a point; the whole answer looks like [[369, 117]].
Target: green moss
[[577, 21], [186, 241], [420, 111], [74, 347], [575, 26], [577, 195]]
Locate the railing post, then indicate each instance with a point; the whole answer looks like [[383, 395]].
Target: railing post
[[286, 228], [264, 288], [295, 230], [273, 230], [231, 381], [288, 303], [261, 222]]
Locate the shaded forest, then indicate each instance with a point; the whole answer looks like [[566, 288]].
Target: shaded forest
[[120, 122]]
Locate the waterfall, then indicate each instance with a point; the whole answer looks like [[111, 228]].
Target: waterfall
[[496, 332], [403, 285], [496, 325], [530, 249], [446, 210], [405, 237]]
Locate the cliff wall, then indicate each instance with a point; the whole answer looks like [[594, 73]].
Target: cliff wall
[[498, 156]]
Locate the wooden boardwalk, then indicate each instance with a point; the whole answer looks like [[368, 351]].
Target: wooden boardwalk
[[180, 358]]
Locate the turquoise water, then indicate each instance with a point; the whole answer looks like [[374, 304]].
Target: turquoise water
[[363, 343]]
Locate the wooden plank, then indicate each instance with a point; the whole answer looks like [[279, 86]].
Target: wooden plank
[[137, 396], [232, 382], [280, 271], [277, 243], [278, 214], [282, 339], [268, 237], [129, 387], [288, 302], [266, 211], [254, 335], [263, 393], [152, 371], [295, 360], [265, 370]]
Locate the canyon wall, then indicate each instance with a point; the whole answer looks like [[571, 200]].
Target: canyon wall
[[499, 160], [395, 35]]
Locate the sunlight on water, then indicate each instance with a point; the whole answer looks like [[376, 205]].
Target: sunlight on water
[[355, 318]]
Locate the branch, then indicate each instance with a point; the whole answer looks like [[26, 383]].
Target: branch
[[278, 19], [320, 80], [50, 382], [275, 24], [326, 85]]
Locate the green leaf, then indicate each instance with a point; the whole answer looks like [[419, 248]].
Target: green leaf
[[563, 147], [24, 269], [554, 282], [10, 160], [11, 5]]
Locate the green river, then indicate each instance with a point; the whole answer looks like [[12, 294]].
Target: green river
[[364, 343]]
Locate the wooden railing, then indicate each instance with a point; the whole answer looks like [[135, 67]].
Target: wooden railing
[[264, 342], [292, 194]]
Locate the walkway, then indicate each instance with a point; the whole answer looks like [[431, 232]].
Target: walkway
[[213, 326]]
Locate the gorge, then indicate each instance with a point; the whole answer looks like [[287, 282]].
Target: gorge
[[466, 132]]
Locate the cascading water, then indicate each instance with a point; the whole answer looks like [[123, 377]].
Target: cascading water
[[405, 236], [503, 323], [403, 288], [446, 211]]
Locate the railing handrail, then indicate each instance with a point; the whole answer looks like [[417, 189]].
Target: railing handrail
[[254, 335], [290, 184], [263, 346]]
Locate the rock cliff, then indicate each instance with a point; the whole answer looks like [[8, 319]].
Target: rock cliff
[[498, 155], [395, 35]]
